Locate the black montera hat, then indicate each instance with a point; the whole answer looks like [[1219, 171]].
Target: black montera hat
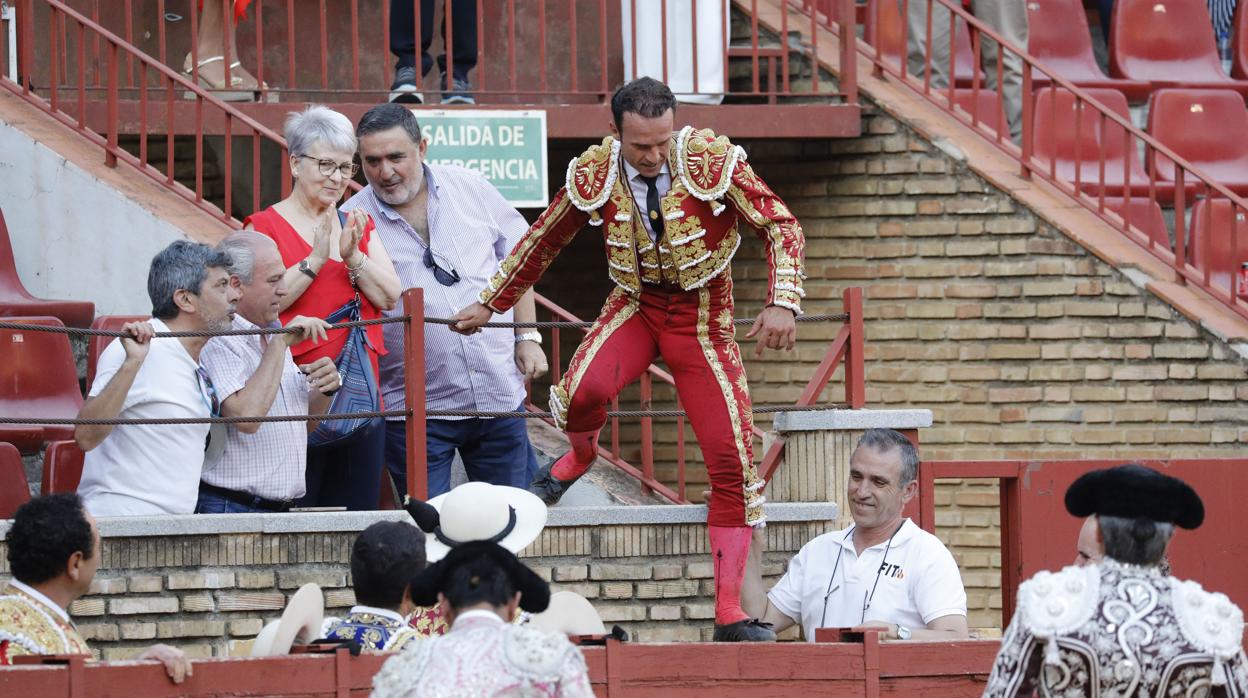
[[1134, 491], [534, 591]]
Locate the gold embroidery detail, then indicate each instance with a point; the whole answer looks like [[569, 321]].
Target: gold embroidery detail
[[526, 248], [614, 314], [740, 423]]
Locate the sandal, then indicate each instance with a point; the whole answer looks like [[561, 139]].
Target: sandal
[[235, 92]]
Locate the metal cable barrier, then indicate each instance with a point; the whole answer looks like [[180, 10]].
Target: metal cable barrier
[[845, 351], [92, 332]]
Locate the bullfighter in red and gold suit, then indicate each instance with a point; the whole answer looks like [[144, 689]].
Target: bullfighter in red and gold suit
[[668, 205]]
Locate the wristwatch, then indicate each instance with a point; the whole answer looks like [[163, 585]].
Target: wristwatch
[[306, 268], [529, 337], [903, 633]]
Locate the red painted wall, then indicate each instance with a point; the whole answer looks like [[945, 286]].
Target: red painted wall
[[1216, 554]]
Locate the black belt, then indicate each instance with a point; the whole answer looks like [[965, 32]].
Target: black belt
[[247, 500]]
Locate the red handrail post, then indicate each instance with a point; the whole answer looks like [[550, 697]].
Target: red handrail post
[[25, 42], [647, 434], [855, 371], [1011, 542], [110, 151], [414, 392], [849, 55]]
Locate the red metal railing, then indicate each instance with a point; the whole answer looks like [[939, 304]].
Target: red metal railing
[[846, 349], [528, 51], [83, 60], [868, 668], [1099, 181]]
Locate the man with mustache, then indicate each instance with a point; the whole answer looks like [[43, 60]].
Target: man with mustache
[[669, 204], [263, 465], [884, 572], [148, 469]]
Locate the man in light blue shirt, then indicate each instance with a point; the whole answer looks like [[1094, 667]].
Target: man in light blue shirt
[[446, 229]]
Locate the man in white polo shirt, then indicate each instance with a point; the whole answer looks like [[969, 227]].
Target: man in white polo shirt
[[883, 572], [147, 469]]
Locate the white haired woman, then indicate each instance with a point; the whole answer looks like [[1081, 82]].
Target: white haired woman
[[326, 265]]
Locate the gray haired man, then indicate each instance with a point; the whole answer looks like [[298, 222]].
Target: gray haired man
[[141, 470], [882, 573], [263, 465], [1120, 626]]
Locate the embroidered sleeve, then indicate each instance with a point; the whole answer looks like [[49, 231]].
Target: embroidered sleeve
[[399, 674], [1017, 666], [537, 248], [574, 676], [779, 230]]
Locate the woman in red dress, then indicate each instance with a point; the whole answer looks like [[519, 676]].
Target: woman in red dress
[[326, 265]]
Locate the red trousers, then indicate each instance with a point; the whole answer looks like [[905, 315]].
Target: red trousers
[[693, 333]]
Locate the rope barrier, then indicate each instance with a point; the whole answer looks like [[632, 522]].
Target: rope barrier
[[568, 324], [64, 421], [23, 327], [560, 324]]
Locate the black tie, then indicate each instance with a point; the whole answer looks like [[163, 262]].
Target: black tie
[[652, 205]]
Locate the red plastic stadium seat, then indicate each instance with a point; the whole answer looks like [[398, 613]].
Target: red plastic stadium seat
[[62, 467], [1239, 44], [14, 488], [1165, 42], [16, 300], [96, 344], [1144, 215], [985, 105], [38, 378], [1206, 128], [1223, 247], [885, 29], [1054, 36], [1057, 142]]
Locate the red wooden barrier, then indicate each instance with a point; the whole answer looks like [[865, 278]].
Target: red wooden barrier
[[1037, 533], [870, 669]]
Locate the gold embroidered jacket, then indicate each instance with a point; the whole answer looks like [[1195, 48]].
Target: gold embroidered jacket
[[32, 627], [712, 188]]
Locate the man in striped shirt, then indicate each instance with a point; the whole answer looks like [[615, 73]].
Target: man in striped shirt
[[446, 229], [263, 464]]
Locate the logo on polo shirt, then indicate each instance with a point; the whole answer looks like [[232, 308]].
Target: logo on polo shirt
[[891, 570]]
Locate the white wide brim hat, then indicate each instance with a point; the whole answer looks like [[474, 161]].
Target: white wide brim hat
[[569, 613], [479, 511], [300, 621]]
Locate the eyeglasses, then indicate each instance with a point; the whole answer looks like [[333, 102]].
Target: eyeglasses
[[444, 277], [208, 391], [327, 167]]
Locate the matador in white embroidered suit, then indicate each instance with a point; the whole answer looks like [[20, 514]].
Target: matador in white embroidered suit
[[1121, 629]]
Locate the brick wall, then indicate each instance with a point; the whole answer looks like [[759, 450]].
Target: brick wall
[[207, 593]]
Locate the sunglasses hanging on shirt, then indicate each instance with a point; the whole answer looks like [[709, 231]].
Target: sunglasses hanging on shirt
[[443, 276]]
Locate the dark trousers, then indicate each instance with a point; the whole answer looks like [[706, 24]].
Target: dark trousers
[[463, 40], [496, 451], [347, 474]]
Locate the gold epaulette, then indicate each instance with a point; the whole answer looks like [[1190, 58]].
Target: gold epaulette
[[705, 162], [591, 177]]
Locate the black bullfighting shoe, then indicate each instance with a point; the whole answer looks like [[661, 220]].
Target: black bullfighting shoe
[[748, 630], [550, 488]]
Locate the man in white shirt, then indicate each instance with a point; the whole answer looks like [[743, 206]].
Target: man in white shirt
[[142, 470], [262, 466], [883, 572]]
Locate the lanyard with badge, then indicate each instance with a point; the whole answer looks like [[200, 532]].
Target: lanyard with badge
[[214, 443], [867, 597]]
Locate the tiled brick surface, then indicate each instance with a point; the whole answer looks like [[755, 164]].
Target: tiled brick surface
[[652, 580]]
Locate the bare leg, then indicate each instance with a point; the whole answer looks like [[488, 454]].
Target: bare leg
[[216, 27]]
